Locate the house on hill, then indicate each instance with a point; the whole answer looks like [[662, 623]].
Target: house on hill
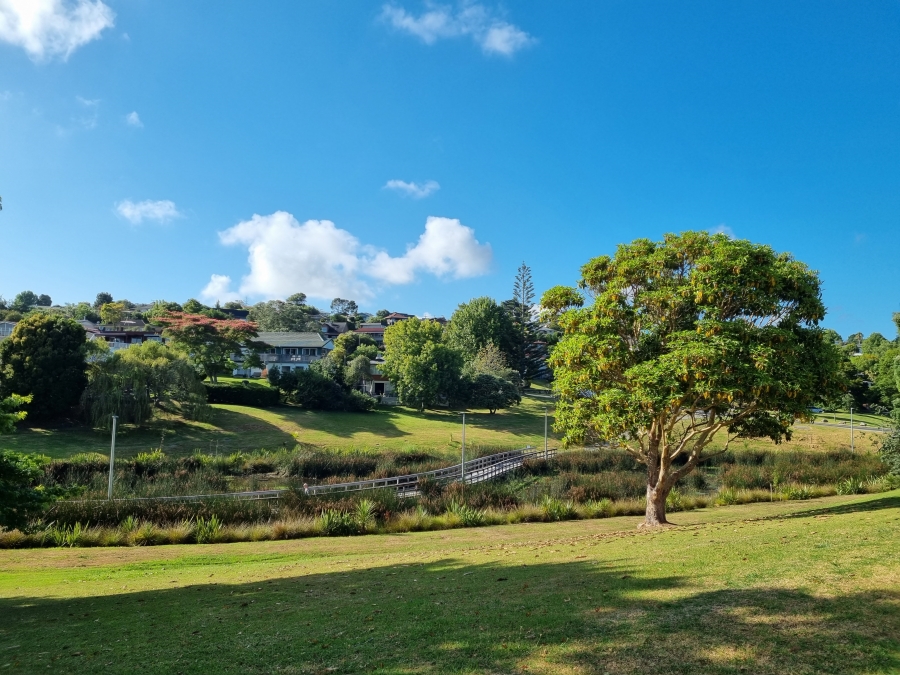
[[373, 330], [124, 334], [6, 329], [395, 317], [289, 351], [332, 329]]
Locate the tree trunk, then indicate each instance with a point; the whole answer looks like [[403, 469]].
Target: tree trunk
[[656, 505]]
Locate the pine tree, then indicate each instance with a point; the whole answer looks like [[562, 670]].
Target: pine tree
[[530, 354]]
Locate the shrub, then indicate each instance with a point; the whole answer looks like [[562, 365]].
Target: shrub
[[237, 394], [851, 486], [206, 530], [365, 514], [556, 509], [468, 516], [336, 523]]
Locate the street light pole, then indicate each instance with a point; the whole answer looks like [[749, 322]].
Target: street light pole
[[462, 466], [545, 432], [112, 457], [851, 430]]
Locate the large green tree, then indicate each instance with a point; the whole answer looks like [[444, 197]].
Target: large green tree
[[280, 316], [131, 382], [685, 338], [478, 323], [45, 358], [210, 343], [423, 369]]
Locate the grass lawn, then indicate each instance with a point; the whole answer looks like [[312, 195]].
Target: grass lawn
[[868, 420], [800, 587], [234, 428]]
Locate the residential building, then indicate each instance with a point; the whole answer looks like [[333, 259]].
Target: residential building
[[395, 317], [373, 330], [124, 334], [378, 385], [332, 329], [6, 329], [289, 351], [242, 314]]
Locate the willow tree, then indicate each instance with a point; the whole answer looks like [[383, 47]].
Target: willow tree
[[667, 345]]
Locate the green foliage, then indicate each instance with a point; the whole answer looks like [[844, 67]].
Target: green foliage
[[131, 382], [556, 509], [280, 316], [10, 413], [21, 496], [24, 301], [851, 486], [334, 523], [468, 516], [44, 357], [685, 338], [890, 446], [478, 323], [207, 530], [422, 368], [357, 371], [489, 391], [208, 341], [347, 344], [112, 312], [103, 298], [238, 394]]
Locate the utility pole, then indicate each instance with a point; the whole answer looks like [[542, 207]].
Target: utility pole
[[851, 430], [462, 466], [112, 457]]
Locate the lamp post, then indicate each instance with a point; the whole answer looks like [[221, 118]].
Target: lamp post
[[851, 430], [545, 432], [112, 457], [462, 466]]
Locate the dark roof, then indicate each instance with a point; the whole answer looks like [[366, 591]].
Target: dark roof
[[242, 314], [287, 339]]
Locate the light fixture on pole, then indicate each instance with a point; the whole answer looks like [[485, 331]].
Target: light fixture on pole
[[112, 457]]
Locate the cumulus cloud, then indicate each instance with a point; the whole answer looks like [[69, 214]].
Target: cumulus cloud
[[413, 190], [132, 119], [51, 28], [473, 20], [218, 290], [161, 211], [324, 261]]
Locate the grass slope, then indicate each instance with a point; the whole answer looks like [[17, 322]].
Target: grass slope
[[240, 428], [809, 587]]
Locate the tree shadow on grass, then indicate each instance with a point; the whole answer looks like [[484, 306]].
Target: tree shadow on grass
[[380, 423], [452, 617], [891, 501]]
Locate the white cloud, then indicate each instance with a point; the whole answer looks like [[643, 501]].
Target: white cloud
[[217, 290], [161, 211], [49, 28], [132, 119], [324, 261], [92, 112], [413, 190], [484, 27], [722, 228], [447, 248]]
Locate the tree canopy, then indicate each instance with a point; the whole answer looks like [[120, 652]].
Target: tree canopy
[[422, 368], [209, 342], [687, 337], [131, 382], [45, 358], [478, 323], [281, 316]]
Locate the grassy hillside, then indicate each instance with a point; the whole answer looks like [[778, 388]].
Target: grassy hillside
[[810, 587], [234, 428], [390, 428]]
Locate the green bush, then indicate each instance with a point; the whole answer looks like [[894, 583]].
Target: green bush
[[556, 509], [336, 523], [239, 394]]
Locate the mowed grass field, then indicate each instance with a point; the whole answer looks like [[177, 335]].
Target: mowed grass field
[[799, 587], [235, 428], [240, 428]]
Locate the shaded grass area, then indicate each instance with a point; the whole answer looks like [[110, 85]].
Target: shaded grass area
[[803, 589], [240, 428]]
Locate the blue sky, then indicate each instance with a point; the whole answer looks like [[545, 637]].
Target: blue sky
[[412, 155]]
